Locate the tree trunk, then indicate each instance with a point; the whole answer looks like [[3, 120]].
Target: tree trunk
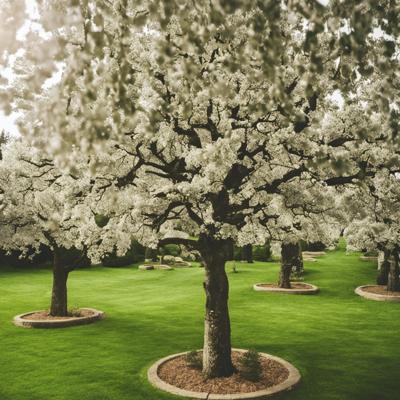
[[151, 254], [299, 266], [383, 274], [289, 259], [268, 252], [217, 361], [393, 284], [231, 251], [248, 253], [58, 307], [284, 276]]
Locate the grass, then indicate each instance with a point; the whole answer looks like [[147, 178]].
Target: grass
[[346, 347]]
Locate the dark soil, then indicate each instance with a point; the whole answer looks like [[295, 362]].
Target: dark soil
[[378, 289], [177, 373]]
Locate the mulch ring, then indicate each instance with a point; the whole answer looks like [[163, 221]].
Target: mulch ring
[[296, 288], [44, 315], [42, 319], [176, 372], [379, 289], [294, 285], [378, 292]]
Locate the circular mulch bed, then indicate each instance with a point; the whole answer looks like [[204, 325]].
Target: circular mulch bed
[[297, 288], [378, 292], [42, 319], [173, 375]]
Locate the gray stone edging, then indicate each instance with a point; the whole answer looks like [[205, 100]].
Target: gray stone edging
[[313, 253], [19, 320], [376, 296], [368, 258], [313, 290], [309, 259], [292, 380], [150, 267]]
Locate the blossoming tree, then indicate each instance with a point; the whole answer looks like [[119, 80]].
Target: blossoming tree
[[375, 224], [216, 114], [227, 178], [44, 206], [323, 223]]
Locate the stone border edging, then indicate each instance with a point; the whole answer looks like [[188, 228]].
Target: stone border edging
[[313, 290], [292, 380], [151, 267], [310, 259], [313, 253], [19, 320], [369, 258], [375, 296]]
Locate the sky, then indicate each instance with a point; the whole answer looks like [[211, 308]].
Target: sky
[[7, 123]]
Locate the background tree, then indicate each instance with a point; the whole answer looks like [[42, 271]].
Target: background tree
[[375, 222], [44, 206], [323, 224], [247, 253], [290, 255], [384, 268], [151, 254]]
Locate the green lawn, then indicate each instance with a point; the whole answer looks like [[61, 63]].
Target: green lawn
[[346, 347]]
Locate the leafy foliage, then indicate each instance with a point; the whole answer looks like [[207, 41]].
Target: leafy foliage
[[262, 253], [171, 250], [250, 366], [134, 255]]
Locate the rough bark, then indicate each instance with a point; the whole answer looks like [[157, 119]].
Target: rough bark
[[217, 361], [268, 252], [289, 259], [248, 253], [299, 264], [231, 250], [393, 277], [383, 274], [59, 306], [284, 276]]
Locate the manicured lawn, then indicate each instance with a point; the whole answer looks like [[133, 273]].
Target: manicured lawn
[[346, 347]]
